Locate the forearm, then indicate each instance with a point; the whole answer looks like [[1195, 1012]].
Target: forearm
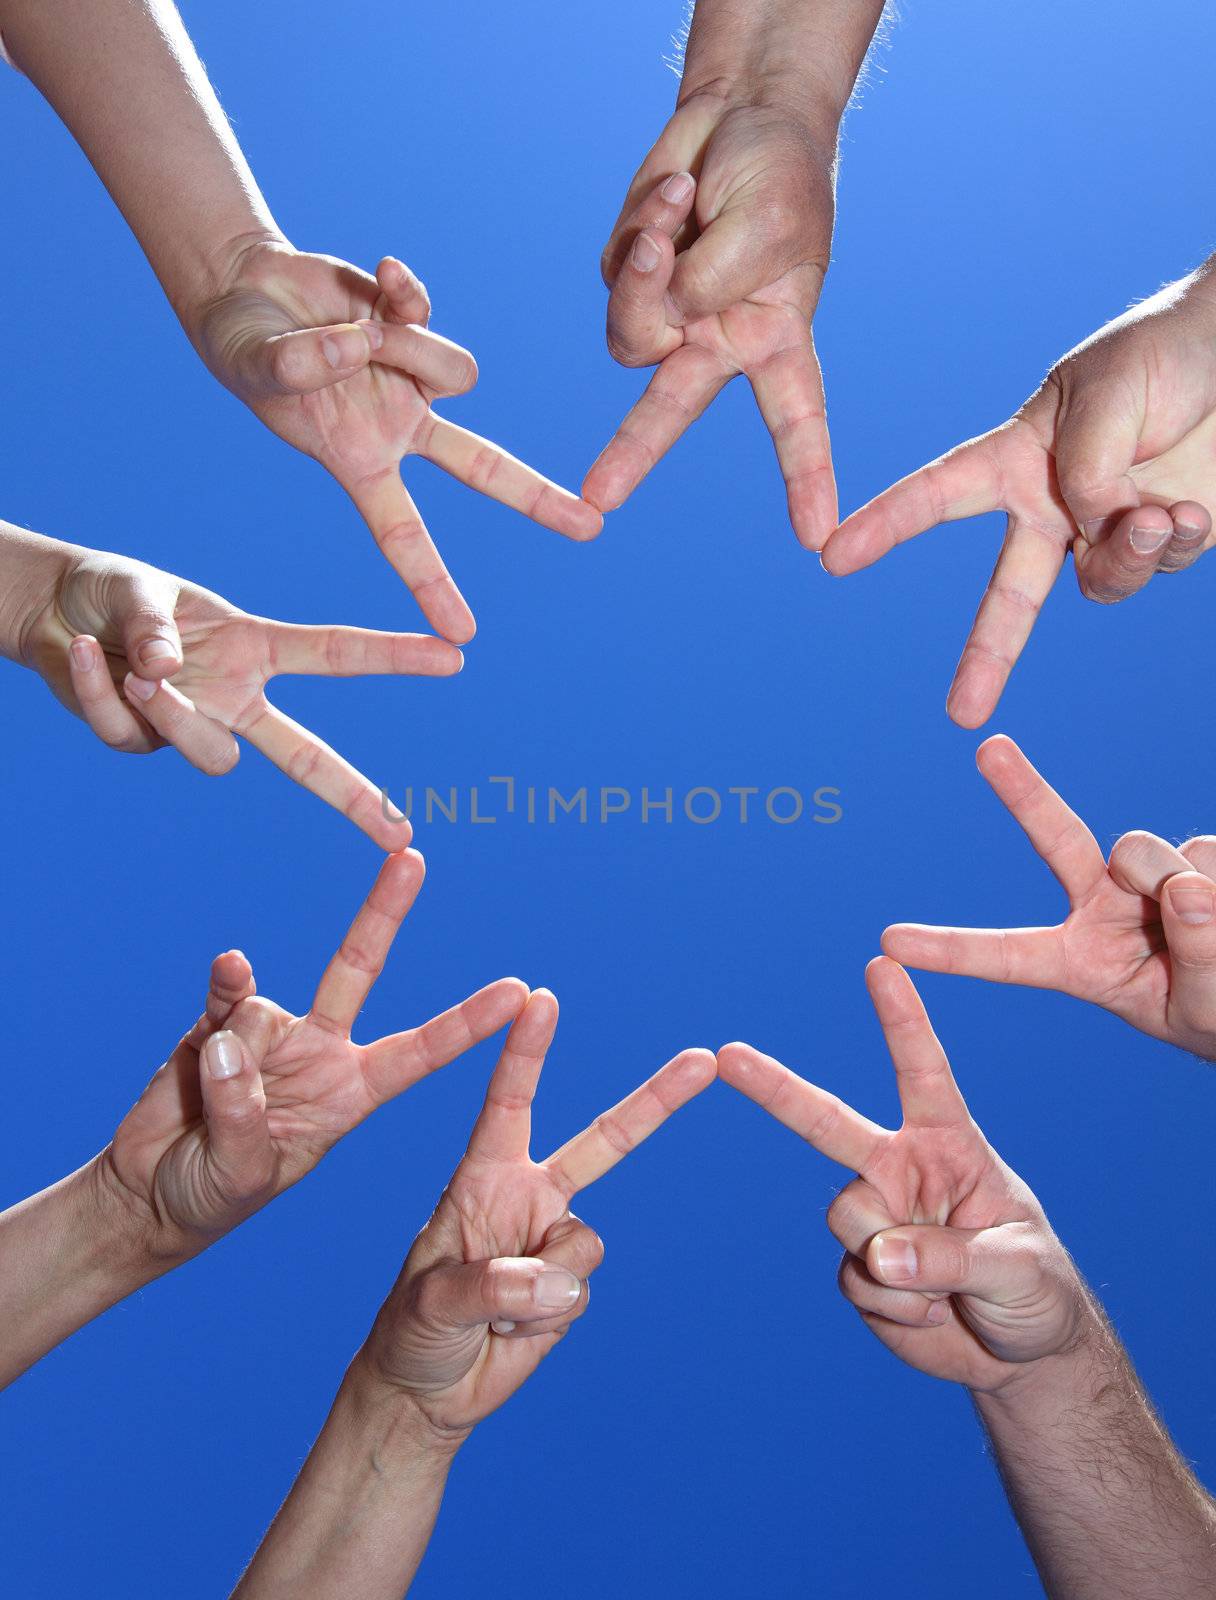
[[65, 1257], [360, 1515], [1108, 1507], [802, 54], [125, 78], [31, 567]]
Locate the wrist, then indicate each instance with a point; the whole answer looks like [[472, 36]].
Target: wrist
[[790, 57], [33, 568], [403, 1429], [1036, 1388], [218, 271]]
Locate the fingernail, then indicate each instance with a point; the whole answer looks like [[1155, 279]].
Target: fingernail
[[1187, 533], [938, 1313], [503, 1327], [139, 688], [895, 1260], [677, 188], [346, 349], [1195, 906], [82, 654], [557, 1290], [1147, 540], [155, 652], [646, 254], [374, 331], [223, 1056]]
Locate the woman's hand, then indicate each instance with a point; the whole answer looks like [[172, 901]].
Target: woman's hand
[[499, 1273], [240, 1112], [344, 367], [147, 659]]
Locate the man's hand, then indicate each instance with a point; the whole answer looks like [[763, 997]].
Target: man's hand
[[1140, 935], [500, 1272], [949, 1258], [720, 276], [253, 1097], [344, 367], [1113, 458], [192, 671]]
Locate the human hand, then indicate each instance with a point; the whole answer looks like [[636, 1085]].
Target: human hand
[[193, 671], [1113, 458], [949, 1258], [499, 1273], [253, 1097], [1140, 935], [344, 367], [718, 277]]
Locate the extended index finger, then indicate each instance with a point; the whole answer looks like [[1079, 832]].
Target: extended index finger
[[822, 1119], [1053, 828], [788, 387], [614, 1134], [359, 959], [493, 471]]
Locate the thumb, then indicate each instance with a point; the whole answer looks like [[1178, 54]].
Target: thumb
[[313, 358], [1097, 432], [736, 255], [988, 1263], [142, 611], [507, 1290], [240, 1150], [1188, 918]]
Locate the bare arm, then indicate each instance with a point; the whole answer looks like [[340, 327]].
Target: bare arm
[[360, 1515], [1105, 1502], [125, 78]]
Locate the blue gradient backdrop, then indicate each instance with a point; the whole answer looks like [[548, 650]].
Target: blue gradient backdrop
[[721, 1424]]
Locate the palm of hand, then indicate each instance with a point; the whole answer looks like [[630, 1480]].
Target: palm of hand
[[491, 1208], [315, 1092], [950, 1177], [227, 655], [1110, 950], [357, 427]]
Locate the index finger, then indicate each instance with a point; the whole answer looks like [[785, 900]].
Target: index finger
[[822, 1119], [503, 1129], [342, 652], [788, 387], [492, 471], [359, 959], [963, 483], [614, 1134], [1053, 828]]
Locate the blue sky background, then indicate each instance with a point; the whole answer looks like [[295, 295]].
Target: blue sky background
[[721, 1424]]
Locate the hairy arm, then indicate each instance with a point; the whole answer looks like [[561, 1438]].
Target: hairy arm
[[805, 54], [125, 78], [360, 1515], [1108, 1507]]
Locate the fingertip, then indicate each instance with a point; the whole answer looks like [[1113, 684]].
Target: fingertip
[[967, 706], [139, 689], [1189, 517], [735, 1060], [84, 653]]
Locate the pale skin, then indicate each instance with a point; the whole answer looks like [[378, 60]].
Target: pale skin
[[248, 1103], [716, 262], [951, 1263], [1140, 934], [340, 363], [1113, 459], [149, 660], [493, 1283]]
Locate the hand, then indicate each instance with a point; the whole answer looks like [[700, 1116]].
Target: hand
[[1113, 457], [242, 1111], [722, 276], [949, 1258], [1140, 935], [194, 670], [343, 366], [499, 1273]]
